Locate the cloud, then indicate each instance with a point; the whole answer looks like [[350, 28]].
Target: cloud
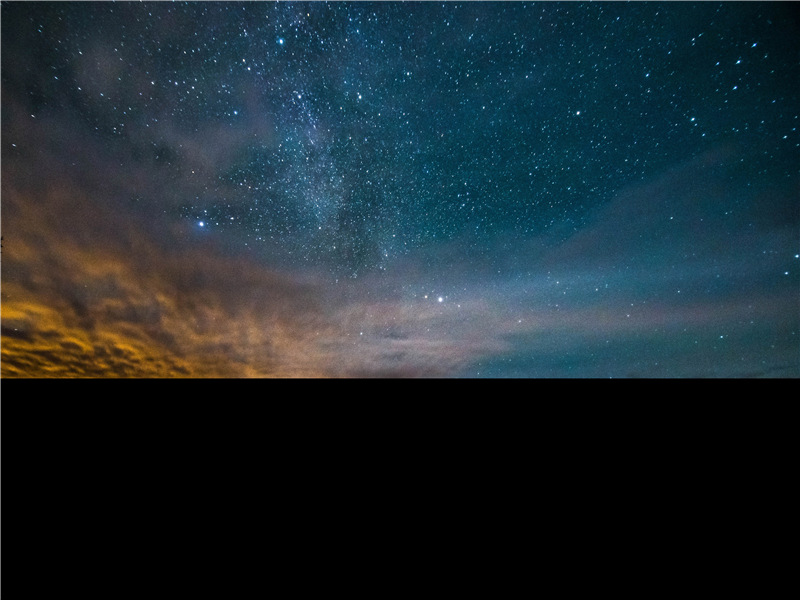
[[692, 273], [92, 288], [660, 282]]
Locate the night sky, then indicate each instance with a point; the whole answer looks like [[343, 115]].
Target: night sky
[[387, 189]]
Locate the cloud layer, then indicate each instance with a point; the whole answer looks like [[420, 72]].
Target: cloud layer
[[91, 288]]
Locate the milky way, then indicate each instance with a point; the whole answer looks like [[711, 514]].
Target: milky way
[[482, 189]]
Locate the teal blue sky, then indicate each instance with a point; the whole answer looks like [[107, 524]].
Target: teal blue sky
[[387, 189]]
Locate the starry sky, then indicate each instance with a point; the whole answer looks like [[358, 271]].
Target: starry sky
[[400, 189]]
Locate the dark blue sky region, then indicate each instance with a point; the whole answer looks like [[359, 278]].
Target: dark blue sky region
[[400, 189]]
